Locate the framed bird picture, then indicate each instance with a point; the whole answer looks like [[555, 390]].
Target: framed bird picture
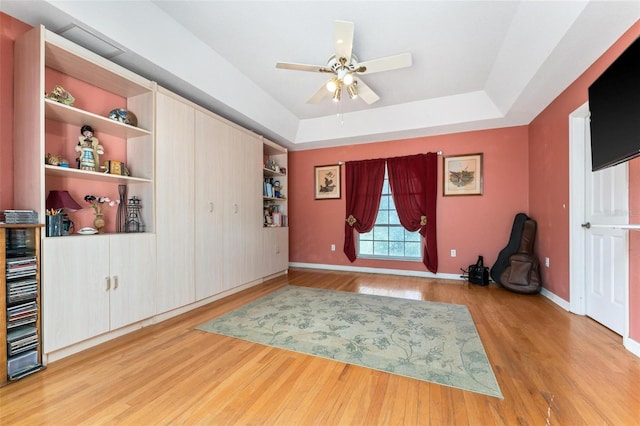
[[327, 182], [462, 175]]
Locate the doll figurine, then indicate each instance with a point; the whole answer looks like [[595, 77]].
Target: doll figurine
[[89, 150]]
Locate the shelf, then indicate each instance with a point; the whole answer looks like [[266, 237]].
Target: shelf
[[269, 172], [70, 115], [274, 199], [89, 175]]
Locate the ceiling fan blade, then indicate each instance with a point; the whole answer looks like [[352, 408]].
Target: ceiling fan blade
[[386, 64], [365, 92], [302, 67], [343, 42], [319, 95]]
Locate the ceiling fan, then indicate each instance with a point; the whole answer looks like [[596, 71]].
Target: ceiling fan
[[346, 68]]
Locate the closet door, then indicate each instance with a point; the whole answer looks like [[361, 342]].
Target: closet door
[[175, 154], [212, 176], [234, 224]]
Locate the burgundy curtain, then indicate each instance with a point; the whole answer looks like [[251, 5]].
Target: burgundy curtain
[[363, 188], [413, 181]]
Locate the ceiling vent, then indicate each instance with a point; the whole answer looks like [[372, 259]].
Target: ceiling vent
[[90, 41]]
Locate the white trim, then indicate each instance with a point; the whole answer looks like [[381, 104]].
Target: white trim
[[556, 299], [376, 270], [577, 240], [578, 123], [631, 345]]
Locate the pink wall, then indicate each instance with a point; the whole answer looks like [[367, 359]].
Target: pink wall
[[10, 28], [549, 182], [473, 225]]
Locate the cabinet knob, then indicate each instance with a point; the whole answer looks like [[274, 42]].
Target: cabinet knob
[[108, 280], [211, 207], [115, 282]]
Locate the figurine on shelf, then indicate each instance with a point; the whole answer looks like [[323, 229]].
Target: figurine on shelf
[[89, 150], [59, 94]]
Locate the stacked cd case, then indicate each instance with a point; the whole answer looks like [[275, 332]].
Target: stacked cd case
[[18, 216], [22, 327], [21, 339]]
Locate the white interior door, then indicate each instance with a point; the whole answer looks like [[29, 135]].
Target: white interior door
[[599, 250], [606, 248]]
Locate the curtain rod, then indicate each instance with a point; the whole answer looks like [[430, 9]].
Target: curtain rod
[[340, 163]]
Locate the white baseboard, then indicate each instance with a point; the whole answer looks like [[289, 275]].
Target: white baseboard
[[629, 344], [556, 299], [632, 346], [402, 272]]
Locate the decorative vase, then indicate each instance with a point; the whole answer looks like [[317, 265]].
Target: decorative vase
[[98, 222], [121, 218]]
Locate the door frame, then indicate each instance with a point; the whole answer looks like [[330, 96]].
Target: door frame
[[577, 239], [578, 122]]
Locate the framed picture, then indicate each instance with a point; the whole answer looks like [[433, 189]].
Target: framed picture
[[462, 175], [327, 182]]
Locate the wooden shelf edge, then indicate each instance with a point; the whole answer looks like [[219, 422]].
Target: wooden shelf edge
[[88, 175], [71, 115], [269, 172]]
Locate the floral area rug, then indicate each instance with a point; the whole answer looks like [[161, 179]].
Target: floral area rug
[[429, 341]]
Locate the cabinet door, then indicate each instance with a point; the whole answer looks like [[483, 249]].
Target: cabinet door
[[76, 295], [211, 177], [243, 212], [133, 274], [234, 226], [276, 250], [175, 146]]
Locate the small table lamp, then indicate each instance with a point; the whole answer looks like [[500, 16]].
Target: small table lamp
[[60, 202]]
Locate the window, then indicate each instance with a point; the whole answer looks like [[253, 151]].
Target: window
[[388, 239]]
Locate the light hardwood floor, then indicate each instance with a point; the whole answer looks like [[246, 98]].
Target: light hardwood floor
[[553, 367]]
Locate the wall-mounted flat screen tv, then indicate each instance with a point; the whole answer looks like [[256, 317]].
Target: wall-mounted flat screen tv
[[614, 103]]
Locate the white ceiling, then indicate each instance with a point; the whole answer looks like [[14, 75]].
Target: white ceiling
[[476, 64]]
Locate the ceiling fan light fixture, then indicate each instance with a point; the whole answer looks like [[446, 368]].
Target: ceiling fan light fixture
[[332, 85], [337, 94], [348, 79], [352, 90]]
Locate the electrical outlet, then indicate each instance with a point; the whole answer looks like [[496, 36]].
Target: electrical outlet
[[454, 253], [546, 262], [333, 247]]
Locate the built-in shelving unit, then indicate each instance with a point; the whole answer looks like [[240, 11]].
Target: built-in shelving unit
[[274, 185], [203, 238], [44, 126], [91, 284], [275, 208]]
